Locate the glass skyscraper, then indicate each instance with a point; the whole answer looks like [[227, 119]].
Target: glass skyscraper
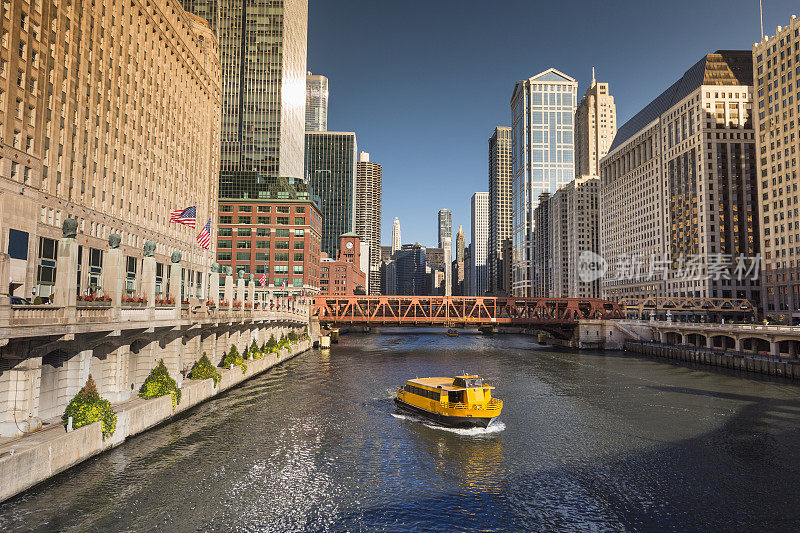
[[262, 48], [316, 102], [445, 227], [542, 126], [330, 169]]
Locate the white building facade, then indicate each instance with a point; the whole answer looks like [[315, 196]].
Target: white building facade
[[479, 268]]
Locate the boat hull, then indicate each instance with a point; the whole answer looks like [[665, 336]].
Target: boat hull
[[445, 420]]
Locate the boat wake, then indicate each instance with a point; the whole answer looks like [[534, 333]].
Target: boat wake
[[494, 427]]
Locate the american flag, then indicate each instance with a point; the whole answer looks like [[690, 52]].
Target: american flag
[[263, 280], [204, 238], [187, 217]]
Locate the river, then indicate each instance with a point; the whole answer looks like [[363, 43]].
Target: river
[[604, 442]]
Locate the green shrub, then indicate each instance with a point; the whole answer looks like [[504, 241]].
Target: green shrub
[[305, 333], [203, 369], [158, 383], [293, 337], [234, 359], [284, 342], [87, 407], [37, 300], [272, 345]]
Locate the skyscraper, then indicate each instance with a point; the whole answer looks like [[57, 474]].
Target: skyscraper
[[479, 281], [396, 242], [778, 169], [500, 170], [368, 215], [331, 159], [595, 127], [445, 226], [679, 188], [542, 113], [263, 46], [316, 102]]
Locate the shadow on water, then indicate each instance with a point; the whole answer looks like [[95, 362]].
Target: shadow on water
[[589, 442]]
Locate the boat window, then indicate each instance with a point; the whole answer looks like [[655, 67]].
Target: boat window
[[425, 393], [474, 382], [455, 396]]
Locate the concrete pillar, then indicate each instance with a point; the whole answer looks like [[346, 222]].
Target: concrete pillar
[[709, 342], [251, 290], [5, 285], [684, 338], [67, 271], [228, 286], [213, 291], [19, 398], [175, 278], [222, 345], [148, 284], [240, 288], [737, 344], [170, 349], [774, 348], [113, 273]]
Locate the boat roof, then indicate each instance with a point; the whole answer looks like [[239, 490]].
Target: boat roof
[[443, 383]]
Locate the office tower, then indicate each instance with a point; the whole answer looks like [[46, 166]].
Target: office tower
[[595, 128], [411, 271], [542, 114], [106, 171], [445, 219], [460, 244], [466, 287], [679, 191], [272, 226], [316, 102], [479, 206], [457, 266], [396, 242], [447, 249], [540, 242], [263, 48], [574, 230], [500, 170], [368, 215], [777, 143], [330, 171]]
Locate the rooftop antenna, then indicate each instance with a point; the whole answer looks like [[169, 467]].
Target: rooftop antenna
[[761, 15], [593, 79]]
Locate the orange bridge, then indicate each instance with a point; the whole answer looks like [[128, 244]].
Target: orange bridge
[[551, 314]]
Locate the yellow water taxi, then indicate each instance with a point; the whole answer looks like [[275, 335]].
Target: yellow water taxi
[[452, 332], [463, 401]]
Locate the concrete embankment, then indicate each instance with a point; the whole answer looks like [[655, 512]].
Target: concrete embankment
[[31, 459], [735, 361]]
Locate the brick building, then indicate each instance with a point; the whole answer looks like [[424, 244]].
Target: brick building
[[270, 226], [343, 276]]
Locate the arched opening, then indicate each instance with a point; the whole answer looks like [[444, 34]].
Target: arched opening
[[672, 337], [789, 348], [723, 342], [756, 345], [54, 368], [697, 339]]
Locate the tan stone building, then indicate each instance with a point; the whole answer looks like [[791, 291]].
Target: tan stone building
[[678, 188], [109, 114], [595, 128], [573, 213], [775, 62]]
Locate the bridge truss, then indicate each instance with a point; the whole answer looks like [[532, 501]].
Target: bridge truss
[[451, 311]]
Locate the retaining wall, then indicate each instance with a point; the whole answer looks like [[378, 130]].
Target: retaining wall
[[31, 459], [734, 361]]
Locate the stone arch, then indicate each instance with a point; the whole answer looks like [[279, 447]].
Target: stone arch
[[671, 337], [722, 342], [696, 339], [755, 345]]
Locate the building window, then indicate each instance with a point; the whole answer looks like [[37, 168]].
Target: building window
[[243, 256], [224, 243], [225, 219], [244, 220]]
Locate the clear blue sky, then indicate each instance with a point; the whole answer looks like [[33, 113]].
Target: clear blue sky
[[424, 82]]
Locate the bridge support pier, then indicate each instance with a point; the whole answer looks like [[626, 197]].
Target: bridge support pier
[[19, 397]]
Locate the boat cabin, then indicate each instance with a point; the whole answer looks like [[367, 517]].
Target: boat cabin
[[466, 389]]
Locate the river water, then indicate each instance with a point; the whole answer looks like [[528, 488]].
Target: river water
[[586, 441]]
